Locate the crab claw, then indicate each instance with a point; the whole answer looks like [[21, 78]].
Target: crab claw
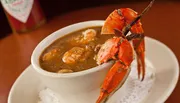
[[113, 21], [113, 81], [120, 70]]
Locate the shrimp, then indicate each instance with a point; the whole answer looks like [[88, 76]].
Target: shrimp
[[76, 54], [54, 53], [89, 35], [86, 37]]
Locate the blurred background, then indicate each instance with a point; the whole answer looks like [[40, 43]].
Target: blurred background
[[54, 8]]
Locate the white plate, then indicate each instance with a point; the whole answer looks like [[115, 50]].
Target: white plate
[[27, 86]]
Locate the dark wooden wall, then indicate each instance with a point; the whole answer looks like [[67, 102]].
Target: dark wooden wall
[[53, 8]]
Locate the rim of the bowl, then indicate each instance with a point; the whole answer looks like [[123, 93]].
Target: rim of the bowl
[[37, 67]]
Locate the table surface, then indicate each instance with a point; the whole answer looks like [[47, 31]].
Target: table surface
[[161, 22]]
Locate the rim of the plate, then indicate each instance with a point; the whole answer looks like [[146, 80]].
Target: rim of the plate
[[176, 76]]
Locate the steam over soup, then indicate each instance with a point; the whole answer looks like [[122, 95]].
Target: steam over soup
[[73, 52]]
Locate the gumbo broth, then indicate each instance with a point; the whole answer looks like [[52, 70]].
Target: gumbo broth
[[73, 52]]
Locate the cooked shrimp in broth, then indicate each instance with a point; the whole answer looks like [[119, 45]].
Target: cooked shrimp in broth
[[76, 54], [73, 52]]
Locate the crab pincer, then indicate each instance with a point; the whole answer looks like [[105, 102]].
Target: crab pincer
[[123, 51]]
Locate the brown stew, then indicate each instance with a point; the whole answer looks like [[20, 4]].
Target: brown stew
[[73, 52]]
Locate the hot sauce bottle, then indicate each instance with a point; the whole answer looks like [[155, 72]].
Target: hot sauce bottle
[[23, 15]]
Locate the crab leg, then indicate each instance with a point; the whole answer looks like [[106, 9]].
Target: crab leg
[[118, 73], [113, 81], [139, 47]]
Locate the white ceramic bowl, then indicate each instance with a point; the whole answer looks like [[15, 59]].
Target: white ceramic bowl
[[72, 87]]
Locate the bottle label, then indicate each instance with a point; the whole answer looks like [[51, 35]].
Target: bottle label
[[19, 9]]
